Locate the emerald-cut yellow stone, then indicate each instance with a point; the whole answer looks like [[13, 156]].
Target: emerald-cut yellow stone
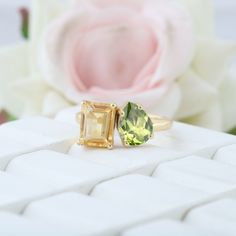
[[134, 125], [97, 121]]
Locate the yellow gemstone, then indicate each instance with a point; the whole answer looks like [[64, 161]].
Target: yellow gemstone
[[97, 124]]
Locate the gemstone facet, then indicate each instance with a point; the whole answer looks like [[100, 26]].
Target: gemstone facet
[[134, 125], [97, 122]]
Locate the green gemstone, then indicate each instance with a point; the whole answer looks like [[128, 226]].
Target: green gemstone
[[135, 127]]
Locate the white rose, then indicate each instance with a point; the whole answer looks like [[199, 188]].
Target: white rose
[[202, 93]]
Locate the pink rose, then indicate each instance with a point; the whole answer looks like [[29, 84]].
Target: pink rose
[[119, 51]]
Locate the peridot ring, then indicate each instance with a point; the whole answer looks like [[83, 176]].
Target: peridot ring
[[98, 121]]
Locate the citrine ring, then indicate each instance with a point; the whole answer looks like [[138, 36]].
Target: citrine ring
[[98, 121]]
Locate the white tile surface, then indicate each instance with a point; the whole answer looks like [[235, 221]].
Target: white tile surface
[[199, 174], [218, 217], [43, 127], [145, 195], [193, 140], [141, 159], [10, 149], [165, 228], [227, 155], [28, 135], [60, 171], [15, 225], [16, 192], [81, 214]]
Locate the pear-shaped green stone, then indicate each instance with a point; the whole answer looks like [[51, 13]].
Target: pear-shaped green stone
[[134, 126]]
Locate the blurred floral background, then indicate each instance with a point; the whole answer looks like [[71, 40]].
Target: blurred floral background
[[197, 86]]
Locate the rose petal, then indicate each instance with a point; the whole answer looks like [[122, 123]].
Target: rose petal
[[163, 100], [227, 101], [211, 119], [119, 53], [30, 94], [212, 59], [154, 102], [52, 58], [173, 28], [42, 13], [134, 4], [13, 67], [202, 12], [197, 95], [53, 103], [166, 106]]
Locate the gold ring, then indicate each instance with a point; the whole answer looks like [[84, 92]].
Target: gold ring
[[98, 121]]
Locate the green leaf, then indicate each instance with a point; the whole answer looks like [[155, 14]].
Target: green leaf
[[233, 131], [24, 22], [10, 117], [5, 117]]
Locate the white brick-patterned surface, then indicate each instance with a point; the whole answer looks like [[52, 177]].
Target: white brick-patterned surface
[[174, 185]]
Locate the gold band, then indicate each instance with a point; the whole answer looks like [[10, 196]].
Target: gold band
[[160, 123]]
